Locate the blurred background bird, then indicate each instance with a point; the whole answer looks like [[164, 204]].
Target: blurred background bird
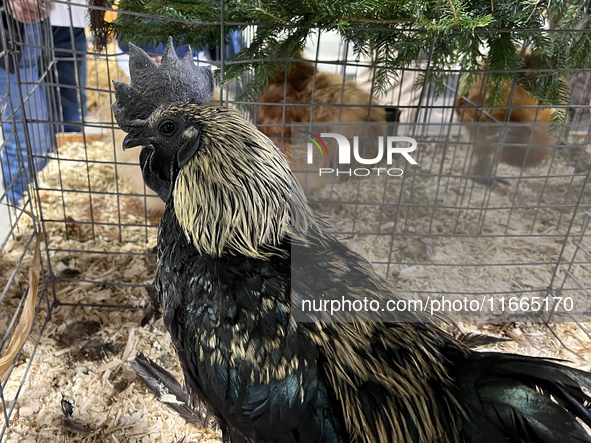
[[334, 102], [239, 247], [516, 132]]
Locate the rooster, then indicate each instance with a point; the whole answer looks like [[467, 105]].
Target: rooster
[[288, 99], [239, 249]]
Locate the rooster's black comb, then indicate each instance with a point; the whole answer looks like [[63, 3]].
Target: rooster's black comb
[[174, 81]]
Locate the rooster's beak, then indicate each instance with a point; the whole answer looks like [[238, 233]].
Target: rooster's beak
[[131, 142]]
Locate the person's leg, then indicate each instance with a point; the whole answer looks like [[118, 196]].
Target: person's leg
[[67, 63], [14, 166], [81, 50], [15, 160]]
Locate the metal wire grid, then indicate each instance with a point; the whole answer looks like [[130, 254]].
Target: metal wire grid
[[19, 103], [433, 123], [426, 115], [433, 120], [572, 283]]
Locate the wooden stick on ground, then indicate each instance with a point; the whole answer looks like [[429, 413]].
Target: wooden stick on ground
[[27, 317]]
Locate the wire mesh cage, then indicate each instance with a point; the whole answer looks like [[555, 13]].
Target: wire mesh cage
[[497, 204], [23, 101]]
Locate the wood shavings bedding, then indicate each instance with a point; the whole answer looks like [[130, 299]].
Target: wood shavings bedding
[[134, 415]]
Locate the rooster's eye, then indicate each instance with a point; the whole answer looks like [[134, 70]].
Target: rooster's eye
[[167, 128]]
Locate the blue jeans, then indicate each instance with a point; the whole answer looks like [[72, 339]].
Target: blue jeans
[[17, 166], [67, 62]]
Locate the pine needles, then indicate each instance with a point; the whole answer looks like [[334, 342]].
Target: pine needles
[[392, 34]]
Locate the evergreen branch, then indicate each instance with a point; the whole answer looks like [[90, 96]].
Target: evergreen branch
[[370, 20], [281, 6], [271, 15], [453, 10], [456, 32]]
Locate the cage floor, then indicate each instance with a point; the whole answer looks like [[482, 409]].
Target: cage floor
[[134, 415]]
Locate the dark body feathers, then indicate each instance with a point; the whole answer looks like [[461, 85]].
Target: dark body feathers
[[257, 373], [226, 285]]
